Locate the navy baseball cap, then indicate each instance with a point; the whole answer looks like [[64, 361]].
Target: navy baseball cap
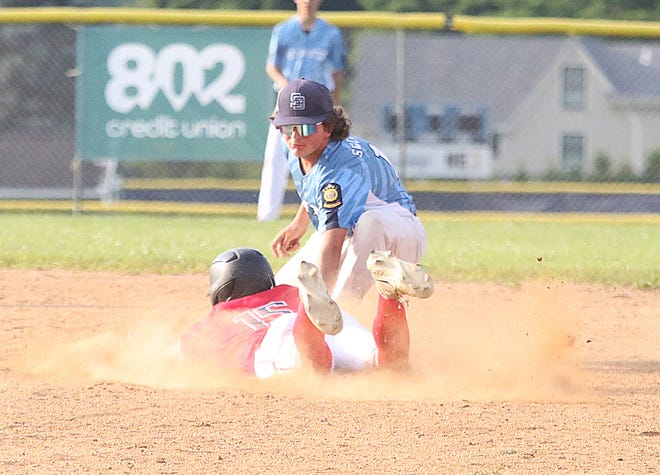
[[301, 102]]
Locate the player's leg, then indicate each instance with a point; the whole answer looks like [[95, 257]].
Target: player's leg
[[385, 228], [391, 334], [288, 273], [353, 279], [318, 315], [395, 278], [354, 348], [274, 177]]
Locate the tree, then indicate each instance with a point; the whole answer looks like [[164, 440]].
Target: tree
[[35, 60], [651, 173]]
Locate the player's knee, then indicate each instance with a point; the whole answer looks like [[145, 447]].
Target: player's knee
[[371, 221]]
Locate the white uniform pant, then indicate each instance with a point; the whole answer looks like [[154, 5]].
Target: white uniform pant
[[274, 177], [353, 348], [386, 227]]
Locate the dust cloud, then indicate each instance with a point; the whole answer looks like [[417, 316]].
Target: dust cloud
[[468, 342]]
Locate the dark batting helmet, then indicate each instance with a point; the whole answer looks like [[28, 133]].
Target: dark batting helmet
[[239, 272]]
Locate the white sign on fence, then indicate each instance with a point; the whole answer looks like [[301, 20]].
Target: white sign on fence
[[441, 161]]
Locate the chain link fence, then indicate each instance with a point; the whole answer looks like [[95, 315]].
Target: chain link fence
[[445, 107], [36, 108]]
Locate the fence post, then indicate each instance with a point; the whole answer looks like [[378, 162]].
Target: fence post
[[76, 168], [401, 100]]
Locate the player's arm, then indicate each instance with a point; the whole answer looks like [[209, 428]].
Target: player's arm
[[339, 63], [276, 75], [338, 78], [274, 61], [330, 255], [288, 239]]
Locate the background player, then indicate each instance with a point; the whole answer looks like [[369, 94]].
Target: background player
[[302, 46], [349, 192], [265, 329]]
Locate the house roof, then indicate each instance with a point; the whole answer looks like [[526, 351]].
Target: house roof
[[497, 72], [479, 70], [633, 67]]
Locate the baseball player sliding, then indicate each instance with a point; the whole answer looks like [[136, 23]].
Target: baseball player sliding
[[265, 330], [349, 192]]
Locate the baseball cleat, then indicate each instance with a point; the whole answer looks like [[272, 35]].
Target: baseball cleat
[[321, 310], [395, 278]]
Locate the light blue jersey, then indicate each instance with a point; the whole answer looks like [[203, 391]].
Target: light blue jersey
[[350, 176], [315, 54]]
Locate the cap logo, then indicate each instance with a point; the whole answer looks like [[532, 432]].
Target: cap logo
[[297, 101]]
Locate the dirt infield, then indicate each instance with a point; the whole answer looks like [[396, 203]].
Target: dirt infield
[[541, 378]]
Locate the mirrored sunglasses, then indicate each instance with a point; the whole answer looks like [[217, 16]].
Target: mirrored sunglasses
[[303, 130]]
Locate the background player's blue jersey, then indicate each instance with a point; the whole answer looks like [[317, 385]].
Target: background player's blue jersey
[[314, 55], [350, 176]]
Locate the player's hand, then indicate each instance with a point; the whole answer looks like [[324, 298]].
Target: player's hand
[[287, 241]]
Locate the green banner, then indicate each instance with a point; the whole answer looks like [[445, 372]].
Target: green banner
[[172, 93]]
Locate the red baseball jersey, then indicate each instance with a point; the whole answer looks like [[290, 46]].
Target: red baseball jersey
[[233, 330]]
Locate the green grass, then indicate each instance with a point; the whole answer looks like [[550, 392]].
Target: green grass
[[159, 243], [507, 251], [612, 250]]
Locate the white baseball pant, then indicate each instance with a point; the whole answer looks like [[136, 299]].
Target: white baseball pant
[[382, 227], [353, 348], [274, 177]]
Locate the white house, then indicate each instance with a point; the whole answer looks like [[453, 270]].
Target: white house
[[501, 106]]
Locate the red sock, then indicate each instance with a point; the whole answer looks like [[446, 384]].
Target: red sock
[[310, 342], [390, 330]]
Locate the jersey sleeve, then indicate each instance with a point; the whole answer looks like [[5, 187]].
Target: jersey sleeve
[[337, 50], [342, 197], [275, 51]]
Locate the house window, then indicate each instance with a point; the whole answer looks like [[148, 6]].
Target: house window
[[572, 153], [574, 88]]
